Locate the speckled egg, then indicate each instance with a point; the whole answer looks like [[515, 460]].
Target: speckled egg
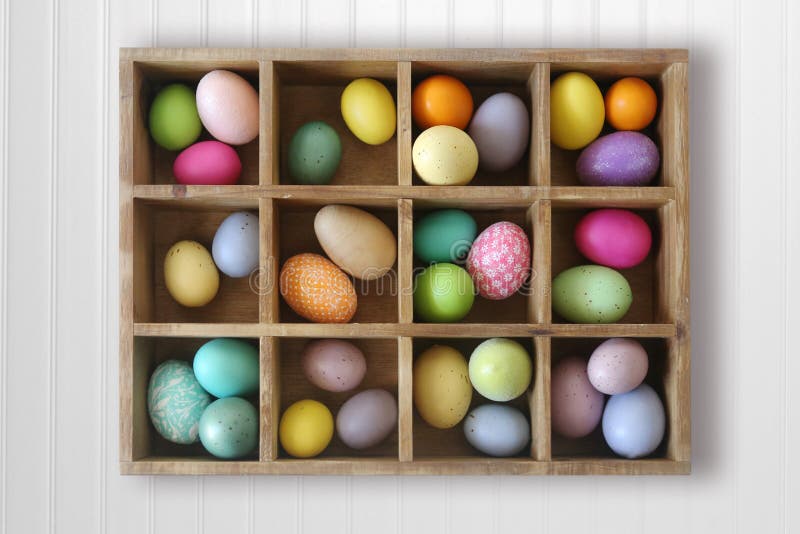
[[366, 419], [620, 158], [497, 430], [228, 107], [229, 428], [333, 364], [575, 406], [317, 290], [190, 274], [442, 391], [634, 422], [235, 245], [501, 129], [175, 401], [500, 260], [444, 155], [591, 294], [617, 366]]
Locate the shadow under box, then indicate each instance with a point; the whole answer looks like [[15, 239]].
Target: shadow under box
[[311, 91], [513, 309], [642, 278], [149, 352], [562, 162], [484, 81], [382, 365], [155, 77], [594, 445], [436, 442], [159, 226], [377, 299]]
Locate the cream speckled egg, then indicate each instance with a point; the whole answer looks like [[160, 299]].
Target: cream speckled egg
[[228, 107], [617, 366], [444, 155]]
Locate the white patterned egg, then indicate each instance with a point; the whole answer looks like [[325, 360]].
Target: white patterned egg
[[499, 260], [175, 401]]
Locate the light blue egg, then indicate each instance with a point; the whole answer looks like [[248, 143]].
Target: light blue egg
[[227, 367], [633, 422], [235, 246], [229, 428], [497, 429], [175, 401]]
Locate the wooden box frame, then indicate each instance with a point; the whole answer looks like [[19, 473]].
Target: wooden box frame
[[543, 193]]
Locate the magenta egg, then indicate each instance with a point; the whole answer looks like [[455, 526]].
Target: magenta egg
[[207, 163], [576, 407], [615, 238], [617, 366]]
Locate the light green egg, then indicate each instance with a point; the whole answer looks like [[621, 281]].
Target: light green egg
[[173, 120], [591, 294], [500, 369], [175, 401], [444, 235], [227, 367], [229, 428]]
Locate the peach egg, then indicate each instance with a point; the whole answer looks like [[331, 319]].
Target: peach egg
[[317, 290]]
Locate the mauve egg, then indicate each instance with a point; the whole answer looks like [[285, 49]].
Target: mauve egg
[[207, 163], [333, 364], [500, 129], [499, 260], [634, 422], [613, 237], [366, 419], [575, 406], [617, 366], [228, 107], [620, 158]]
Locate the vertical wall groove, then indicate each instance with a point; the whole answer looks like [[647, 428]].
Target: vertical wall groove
[[783, 370], [4, 282], [104, 175], [736, 254]]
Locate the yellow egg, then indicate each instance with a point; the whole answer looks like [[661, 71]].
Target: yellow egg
[[190, 274], [368, 110], [306, 428], [444, 155], [577, 111], [442, 391]]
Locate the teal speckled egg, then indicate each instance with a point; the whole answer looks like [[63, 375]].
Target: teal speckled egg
[[227, 367], [229, 428], [314, 154], [444, 235], [591, 294], [175, 401]]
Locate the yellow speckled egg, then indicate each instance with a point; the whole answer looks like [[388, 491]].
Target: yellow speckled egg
[[577, 111], [190, 274], [442, 390], [444, 155], [306, 428], [369, 111]]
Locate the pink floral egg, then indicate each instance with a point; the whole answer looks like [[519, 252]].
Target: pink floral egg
[[499, 260]]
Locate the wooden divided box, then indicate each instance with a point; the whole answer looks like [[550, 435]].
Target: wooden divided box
[[541, 194]]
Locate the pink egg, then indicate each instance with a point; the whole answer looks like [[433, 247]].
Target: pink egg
[[207, 163], [614, 238], [617, 366], [333, 364], [575, 406], [499, 260], [228, 107]]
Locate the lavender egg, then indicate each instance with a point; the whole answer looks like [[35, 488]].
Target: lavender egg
[[621, 159], [367, 418]]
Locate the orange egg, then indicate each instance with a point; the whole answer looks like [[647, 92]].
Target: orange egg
[[441, 99], [630, 104], [317, 289]]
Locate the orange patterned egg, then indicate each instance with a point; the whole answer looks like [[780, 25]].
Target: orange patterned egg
[[317, 289]]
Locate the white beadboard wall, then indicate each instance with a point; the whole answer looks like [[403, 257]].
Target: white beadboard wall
[[58, 272]]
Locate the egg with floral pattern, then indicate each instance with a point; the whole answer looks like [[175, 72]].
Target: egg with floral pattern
[[499, 260], [176, 401], [317, 290]]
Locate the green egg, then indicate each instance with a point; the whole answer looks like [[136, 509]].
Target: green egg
[[443, 293], [314, 154], [444, 235], [175, 401], [174, 121], [229, 428], [591, 294]]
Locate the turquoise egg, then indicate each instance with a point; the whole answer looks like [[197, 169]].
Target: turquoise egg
[[591, 294], [229, 428], [227, 367], [444, 236], [175, 401], [314, 154]]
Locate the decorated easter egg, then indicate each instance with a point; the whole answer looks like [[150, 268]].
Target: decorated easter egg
[[500, 128], [500, 369], [575, 406], [500, 260], [368, 111], [333, 364], [227, 367], [444, 155], [441, 99], [444, 235], [235, 245], [613, 237], [228, 107], [617, 366], [441, 387], [306, 428], [619, 158], [207, 163], [357, 241], [577, 111], [443, 293], [176, 401], [314, 153], [366, 419], [630, 104], [173, 120], [190, 274], [634, 422], [317, 290], [229, 428], [497, 429], [591, 294]]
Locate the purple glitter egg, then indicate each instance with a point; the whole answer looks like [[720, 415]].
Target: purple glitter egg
[[620, 158]]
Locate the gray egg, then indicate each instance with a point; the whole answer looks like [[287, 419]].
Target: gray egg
[[235, 246], [497, 429], [500, 129], [367, 418]]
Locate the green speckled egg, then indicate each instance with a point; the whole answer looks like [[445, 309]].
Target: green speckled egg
[[444, 235], [175, 401], [229, 428], [314, 154], [591, 294], [227, 367]]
